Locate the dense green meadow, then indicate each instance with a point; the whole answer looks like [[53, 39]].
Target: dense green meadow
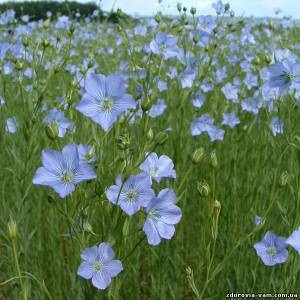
[[227, 173]]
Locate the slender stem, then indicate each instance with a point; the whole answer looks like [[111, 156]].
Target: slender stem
[[19, 270]]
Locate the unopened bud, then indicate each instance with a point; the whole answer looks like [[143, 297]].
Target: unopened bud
[[161, 138], [90, 64], [25, 41], [12, 229], [87, 227], [283, 179], [196, 39], [90, 154], [146, 104], [227, 6], [217, 205], [123, 141], [188, 271], [157, 18], [179, 7], [19, 65], [193, 10], [203, 188], [150, 135], [213, 159], [45, 43], [71, 30], [52, 131], [198, 155], [257, 60], [46, 24], [267, 58]]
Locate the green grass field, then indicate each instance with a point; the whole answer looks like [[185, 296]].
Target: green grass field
[[249, 172]]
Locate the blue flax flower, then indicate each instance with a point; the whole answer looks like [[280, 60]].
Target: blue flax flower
[[99, 265], [105, 99], [283, 75], [158, 167], [166, 46], [276, 126], [58, 118], [294, 240], [63, 170], [162, 215], [272, 249], [131, 195], [230, 119]]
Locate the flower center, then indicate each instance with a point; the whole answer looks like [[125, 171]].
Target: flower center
[[107, 104], [97, 266], [272, 250], [67, 177], [153, 214], [131, 195], [288, 76], [154, 172], [162, 47]]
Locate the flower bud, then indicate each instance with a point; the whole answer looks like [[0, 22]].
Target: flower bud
[[161, 138], [52, 131], [283, 180], [198, 155], [179, 7], [90, 154], [257, 60], [217, 206], [213, 159], [150, 135], [90, 64], [157, 18], [87, 227], [19, 65], [267, 58], [193, 10], [46, 24], [75, 84], [146, 104], [227, 6], [184, 9], [232, 14], [12, 229], [203, 188], [123, 141], [196, 39], [71, 30], [25, 41], [45, 43], [188, 271]]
